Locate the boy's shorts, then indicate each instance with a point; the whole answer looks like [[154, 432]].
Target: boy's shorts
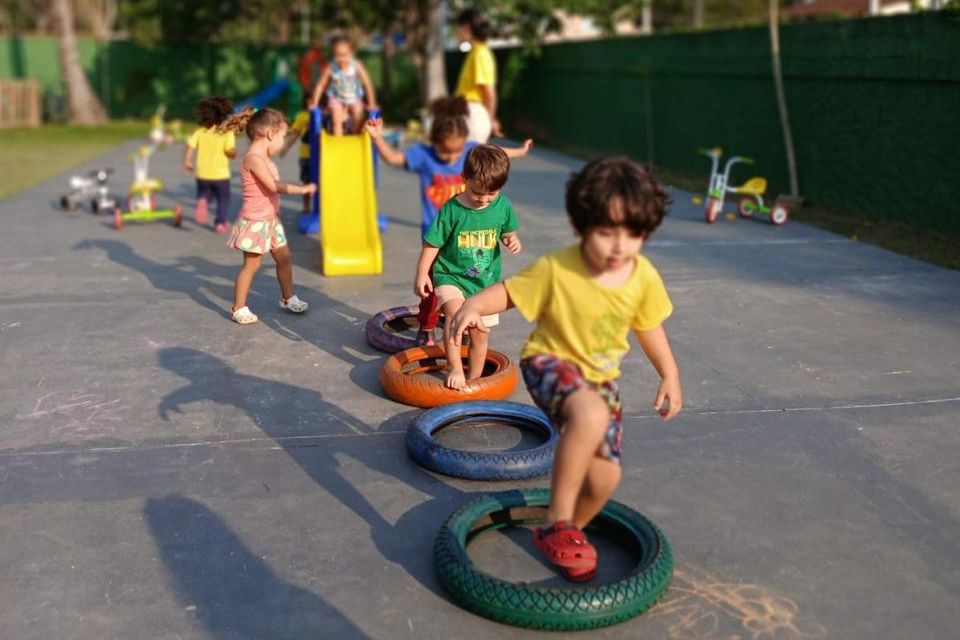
[[305, 171], [550, 380], [447, 293]]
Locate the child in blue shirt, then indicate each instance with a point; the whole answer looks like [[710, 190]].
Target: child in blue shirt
[[440, 167]]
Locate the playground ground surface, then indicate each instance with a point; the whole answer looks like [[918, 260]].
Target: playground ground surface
[[165, 473]]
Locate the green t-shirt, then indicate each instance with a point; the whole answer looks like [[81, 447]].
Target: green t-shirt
[[469, 242]]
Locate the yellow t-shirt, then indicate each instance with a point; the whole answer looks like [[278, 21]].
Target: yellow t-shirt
[[211, 146], [479, 67], [300, 126], [581, 321]]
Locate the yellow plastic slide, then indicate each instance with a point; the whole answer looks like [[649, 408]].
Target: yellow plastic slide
[[349, 236]]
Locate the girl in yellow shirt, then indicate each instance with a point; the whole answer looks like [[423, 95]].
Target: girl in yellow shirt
[[214, 149], [586, 299]]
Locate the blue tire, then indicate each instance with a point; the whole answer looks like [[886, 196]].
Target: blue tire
[[473, 465]]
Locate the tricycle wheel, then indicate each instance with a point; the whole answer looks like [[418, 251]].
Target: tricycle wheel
[[117, 219], [712, 210], [746, 207], [779, 214]]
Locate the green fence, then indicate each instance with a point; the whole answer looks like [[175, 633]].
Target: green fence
[[133, 79], [874, 104]]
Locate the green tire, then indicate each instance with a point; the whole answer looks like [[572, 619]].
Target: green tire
[[552, 609]]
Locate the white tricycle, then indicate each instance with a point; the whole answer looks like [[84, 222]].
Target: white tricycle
[[752, 191]]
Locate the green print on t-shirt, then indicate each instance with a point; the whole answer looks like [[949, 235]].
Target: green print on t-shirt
[[607, 329], [469, 243]]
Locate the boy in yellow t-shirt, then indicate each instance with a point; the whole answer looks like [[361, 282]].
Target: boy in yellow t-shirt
[[586, 299], [300, 129], [214, 149]]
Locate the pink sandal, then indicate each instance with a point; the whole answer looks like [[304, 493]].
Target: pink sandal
[[566, 546]]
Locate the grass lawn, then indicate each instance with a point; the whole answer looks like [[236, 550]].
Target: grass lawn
[[30, 156]]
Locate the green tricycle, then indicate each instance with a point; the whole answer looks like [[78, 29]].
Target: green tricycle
[[752, 191], [141, 205]]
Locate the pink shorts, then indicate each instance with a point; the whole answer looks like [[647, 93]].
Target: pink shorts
[[257, 236], [448, 293]]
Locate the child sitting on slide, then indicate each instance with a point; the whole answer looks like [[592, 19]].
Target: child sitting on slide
[[440, 167], [585, 299], [347, 83]]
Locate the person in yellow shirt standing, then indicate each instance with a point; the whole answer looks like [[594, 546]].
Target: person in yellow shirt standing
[[586, 299], [214, 149], [300, 129], [478, 76]]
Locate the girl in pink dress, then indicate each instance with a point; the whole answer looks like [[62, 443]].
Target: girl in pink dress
[[258, 228]]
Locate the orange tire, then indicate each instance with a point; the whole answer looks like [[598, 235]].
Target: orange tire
[[403, 379]]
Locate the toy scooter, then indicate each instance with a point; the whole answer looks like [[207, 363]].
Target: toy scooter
[[93, 186], [140, 201], [752, 190]]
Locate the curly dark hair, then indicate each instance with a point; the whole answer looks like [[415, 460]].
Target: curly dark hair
[[614, 191], [479, 26], [213, 110], [449, 119]]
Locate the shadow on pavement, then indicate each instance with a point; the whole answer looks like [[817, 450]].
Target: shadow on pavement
[[229, 588], [290, 414]]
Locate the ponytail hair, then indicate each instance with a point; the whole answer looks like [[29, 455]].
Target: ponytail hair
[[480, 28], [255, 122], [449, 118]]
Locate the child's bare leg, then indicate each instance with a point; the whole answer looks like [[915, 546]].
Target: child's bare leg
[[585, 420], [455, 377], [356, 110], [284, 270], [603, 477], [479, 342], [337, 115], [251, 263]]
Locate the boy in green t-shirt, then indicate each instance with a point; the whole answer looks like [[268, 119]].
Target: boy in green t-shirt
[[586, 299], [463, 245]]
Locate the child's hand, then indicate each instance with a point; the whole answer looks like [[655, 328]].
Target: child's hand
[[669, 398], [309, 189], [422, 285], [512, 242], [526, 146], [465, 318], [188, 166], [374, 127]]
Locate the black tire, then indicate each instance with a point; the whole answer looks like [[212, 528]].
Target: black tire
[[554, 609], [382, 338], [476, 465]]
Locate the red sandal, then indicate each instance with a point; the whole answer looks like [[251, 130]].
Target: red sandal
[[566, 546]]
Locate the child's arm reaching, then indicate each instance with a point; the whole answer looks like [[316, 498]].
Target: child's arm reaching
[[188, 158], [367, 86], [511, 241], [493, 299], [422, 286], [519, 152], [321, 85], [390, 155], [258, 167], [655, 344]]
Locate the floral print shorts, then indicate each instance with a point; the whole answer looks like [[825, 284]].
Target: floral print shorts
[[257, 236], [550, 380]]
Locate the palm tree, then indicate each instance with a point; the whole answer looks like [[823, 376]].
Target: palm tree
[[83, 105]]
